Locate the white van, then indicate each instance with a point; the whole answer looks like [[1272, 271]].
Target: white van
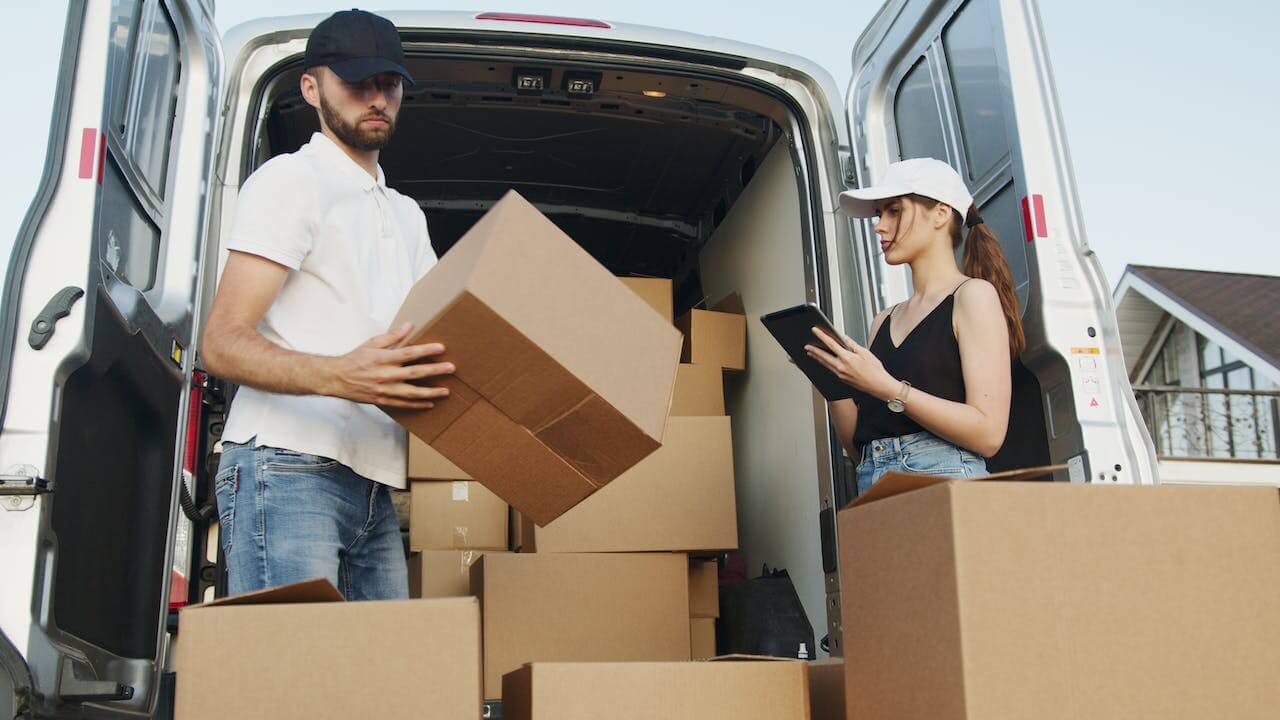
[[663, 153]]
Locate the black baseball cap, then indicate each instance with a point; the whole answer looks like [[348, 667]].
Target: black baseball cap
[[356, 45]]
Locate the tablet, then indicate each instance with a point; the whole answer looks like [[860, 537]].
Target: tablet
[[793, 329]]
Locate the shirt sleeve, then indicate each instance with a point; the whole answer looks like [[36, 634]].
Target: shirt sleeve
[[273, 214]]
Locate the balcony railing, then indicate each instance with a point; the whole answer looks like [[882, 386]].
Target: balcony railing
[[1207, 423]]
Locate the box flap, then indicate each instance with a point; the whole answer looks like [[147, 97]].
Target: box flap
[[744, 657], [897, 483], [308, 591], [731, 303]]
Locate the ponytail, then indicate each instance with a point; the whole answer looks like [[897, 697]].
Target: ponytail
[[984, 259]]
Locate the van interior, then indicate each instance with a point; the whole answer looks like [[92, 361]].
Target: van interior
[[688, 178]]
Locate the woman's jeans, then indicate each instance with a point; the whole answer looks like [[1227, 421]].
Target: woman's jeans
[[286, 516], [922, 452]]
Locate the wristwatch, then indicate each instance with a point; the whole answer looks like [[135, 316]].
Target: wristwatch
[[899, 404]]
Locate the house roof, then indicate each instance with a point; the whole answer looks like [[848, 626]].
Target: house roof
[[1241, 306]]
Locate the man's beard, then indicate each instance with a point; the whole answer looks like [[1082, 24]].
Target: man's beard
[[353, 135]]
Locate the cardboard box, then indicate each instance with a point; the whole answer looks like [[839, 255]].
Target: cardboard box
[[580, 608], [724, 690], [704, 589], [681, 498], [699, 390], [442, 573], [714, 338], [298, 653], [426, 463], [1056, 600], [826, 689], [656, 292], [702, 638], [564, 376], [457, 515]]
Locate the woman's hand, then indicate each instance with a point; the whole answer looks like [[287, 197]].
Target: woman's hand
[[854, 364]]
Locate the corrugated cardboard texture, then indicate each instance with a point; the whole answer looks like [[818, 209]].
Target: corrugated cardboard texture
[[442, 573], [699, 390], [456, 515], [1053, 600], [680, 498], [704, 589], [396, 660], [580, 608], [426, 463], [656, 292], [650, 691], [702, 638], [545, 341], [714, 338], [826, 689]]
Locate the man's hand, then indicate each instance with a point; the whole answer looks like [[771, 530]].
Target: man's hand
[[853, 364], [379, 373]]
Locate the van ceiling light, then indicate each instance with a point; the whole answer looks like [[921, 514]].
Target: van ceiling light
[[655, 93], [531, 81], [579, 84], [544, 20]]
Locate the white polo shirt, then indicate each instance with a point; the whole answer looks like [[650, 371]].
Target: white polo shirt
[[354, 248]]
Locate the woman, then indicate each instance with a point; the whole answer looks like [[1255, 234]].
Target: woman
[[932, 391]]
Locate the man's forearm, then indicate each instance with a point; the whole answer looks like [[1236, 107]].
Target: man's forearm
[[245, 357]]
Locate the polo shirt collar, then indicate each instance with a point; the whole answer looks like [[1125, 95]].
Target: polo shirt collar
[[339, 157]]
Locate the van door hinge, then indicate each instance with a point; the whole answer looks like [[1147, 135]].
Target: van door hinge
[[58, 307], [19, 488]]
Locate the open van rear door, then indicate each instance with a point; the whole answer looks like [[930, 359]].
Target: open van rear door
[[968, 81], [96, 335]]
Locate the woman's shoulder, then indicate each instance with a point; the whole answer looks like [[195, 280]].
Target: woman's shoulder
[[976, 294]]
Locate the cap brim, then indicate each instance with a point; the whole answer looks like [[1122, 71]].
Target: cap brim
[[357, 70], [861, 203]]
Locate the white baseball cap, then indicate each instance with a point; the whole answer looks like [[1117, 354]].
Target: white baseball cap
[[921, 176]]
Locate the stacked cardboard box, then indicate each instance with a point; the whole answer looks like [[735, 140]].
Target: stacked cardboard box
[[681, 498], [453, 520], [704, 607], [298, 651], [1057, 600]]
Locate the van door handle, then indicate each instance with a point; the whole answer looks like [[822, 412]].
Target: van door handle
[[58, 307]]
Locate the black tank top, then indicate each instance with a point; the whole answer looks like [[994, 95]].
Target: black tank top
[[928, 358]]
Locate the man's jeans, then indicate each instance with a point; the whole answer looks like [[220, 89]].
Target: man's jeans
[[288, 516]]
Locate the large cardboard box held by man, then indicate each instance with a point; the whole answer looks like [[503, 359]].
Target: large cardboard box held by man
[[564, 375], [1056, 601], [723, 690], [298, 652], [569, 607], [680, 498]]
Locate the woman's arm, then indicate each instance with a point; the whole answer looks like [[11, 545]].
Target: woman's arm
[[844, 413], [978, 424]]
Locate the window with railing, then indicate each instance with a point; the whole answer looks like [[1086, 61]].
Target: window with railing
[[1208, 404]]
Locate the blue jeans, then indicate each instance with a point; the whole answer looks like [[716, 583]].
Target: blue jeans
[[922, 452], [286, 516]]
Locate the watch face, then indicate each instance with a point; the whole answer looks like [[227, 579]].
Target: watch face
[[895, 405]]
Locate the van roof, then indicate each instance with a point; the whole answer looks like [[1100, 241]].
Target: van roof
[[289, 27]]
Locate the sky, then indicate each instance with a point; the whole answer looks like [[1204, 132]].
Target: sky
[[1169, 107]]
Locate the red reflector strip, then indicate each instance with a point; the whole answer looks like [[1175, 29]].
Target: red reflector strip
[[179, 590], [194, 406], [1040, 228], [88, 152], [102, 155], [544, 20]]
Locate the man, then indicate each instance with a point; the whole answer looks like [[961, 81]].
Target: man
[[322, 254]]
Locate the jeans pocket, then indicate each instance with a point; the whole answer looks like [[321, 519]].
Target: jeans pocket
[[281, 459], [934, 460], [225, 486]]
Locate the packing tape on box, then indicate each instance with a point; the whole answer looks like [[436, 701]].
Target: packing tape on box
[[461, 491], [459, 536], [468, 557]]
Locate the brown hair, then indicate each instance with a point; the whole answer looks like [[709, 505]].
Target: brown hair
[[984, 259]]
